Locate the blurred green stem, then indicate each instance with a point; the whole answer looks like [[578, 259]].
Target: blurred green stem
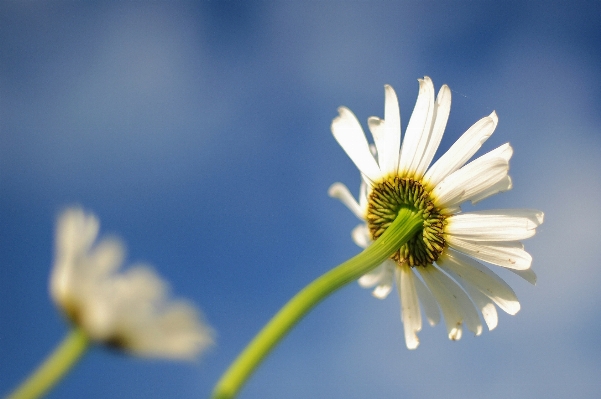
[[54, 368], [407, 223]]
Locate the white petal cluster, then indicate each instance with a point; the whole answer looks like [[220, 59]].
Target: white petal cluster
[[457, 284], [129, 310]]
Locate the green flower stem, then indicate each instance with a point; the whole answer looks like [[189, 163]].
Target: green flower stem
[[406, 224], [55, 367]]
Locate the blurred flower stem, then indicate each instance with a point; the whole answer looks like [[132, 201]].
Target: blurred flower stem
[[406, 224], [55, 367]]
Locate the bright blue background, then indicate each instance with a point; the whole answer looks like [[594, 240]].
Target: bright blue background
[[199, 134]]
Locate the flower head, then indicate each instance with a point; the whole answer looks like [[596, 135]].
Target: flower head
[[128, 310], [439, 268]]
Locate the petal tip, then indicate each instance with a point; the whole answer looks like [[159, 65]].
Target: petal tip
[[413, 344], [540, 216], [455, 333], [335, 189], [444, 95], [374, 121], [390, 96], [512, 307], [343, 113]]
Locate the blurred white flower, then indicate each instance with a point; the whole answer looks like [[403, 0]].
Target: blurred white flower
[[128, 310], [439, 267]]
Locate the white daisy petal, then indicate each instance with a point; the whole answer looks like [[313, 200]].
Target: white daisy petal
[[462, 150], [418, 129], [535, 216], [509, 254], [361, 236], [372, 278], [495, 225], [476, 179], [466, 307], [482, 302], [504, 151], [410, 313], [502, 185], [381, 277], [378, 132], [382, 290], [442, 108], [392, 116], [349, 134], [486, 306], [341, 192], [428, 302], [387, 133], [527, 275], [76, 232], [482, 278], [363, 196], [469, 181], [454, 302], [105, 258], [174, 337], [453, 319], [424, 137]]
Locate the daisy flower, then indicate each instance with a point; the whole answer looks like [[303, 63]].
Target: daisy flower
[[126, 310], [438, 270]]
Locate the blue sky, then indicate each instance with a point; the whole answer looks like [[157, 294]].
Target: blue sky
[[199, 134]]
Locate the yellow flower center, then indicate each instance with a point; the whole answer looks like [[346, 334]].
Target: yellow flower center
[[384, 202]]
